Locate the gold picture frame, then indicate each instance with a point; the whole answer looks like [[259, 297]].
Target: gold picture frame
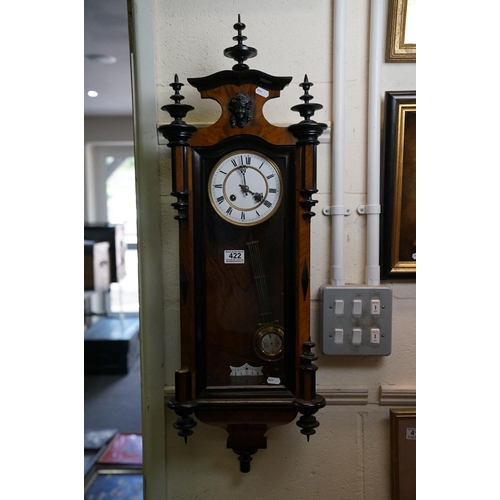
[[403, 423], [398, 223], [401, 34]]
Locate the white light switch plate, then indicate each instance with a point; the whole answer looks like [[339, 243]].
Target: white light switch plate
[[374, 320]]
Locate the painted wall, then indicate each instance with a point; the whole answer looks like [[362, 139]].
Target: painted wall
[[349, 456]]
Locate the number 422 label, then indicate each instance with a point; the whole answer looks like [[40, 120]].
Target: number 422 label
[[234, 256]]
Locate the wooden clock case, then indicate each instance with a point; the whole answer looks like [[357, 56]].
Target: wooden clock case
[[246, 407]]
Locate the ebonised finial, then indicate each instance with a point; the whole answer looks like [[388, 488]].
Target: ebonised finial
[[177, 110], [178, 132], [176, 85], [307, 109], [307, 131], [310, 402], [240, 52]]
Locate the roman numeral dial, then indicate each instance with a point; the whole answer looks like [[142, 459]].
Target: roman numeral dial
[[245, 188]]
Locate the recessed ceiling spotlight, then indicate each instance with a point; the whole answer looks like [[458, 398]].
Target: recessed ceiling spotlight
[[92, 93], [101, 58]]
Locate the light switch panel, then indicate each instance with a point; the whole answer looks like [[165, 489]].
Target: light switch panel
[[365, 320]]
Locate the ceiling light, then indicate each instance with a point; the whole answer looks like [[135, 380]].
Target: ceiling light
[[92, 93], [101, 58]]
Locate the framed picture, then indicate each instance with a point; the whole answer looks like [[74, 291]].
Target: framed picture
[[124, 448], [398, 241], [401, 34], [403, 422], [105, 483]]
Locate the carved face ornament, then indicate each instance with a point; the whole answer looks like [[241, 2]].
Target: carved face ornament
[[239, 107]]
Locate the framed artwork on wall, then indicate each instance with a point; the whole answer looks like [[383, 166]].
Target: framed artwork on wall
[[403, 422], [398, 242], [401, 34], [107, 483]]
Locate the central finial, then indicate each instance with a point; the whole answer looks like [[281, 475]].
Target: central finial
[[240, 52], [306, 85]]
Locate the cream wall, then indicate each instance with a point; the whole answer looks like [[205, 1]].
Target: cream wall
[[348, 458]]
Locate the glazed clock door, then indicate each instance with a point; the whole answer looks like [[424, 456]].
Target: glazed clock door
[[243, 252]]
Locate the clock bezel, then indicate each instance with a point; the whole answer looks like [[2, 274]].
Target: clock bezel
[[259, 337], [215, 205]]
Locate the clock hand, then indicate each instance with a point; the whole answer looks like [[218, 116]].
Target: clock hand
[[256, 196], [243, 186]]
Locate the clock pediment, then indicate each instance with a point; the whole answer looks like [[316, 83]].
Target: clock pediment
[[231, 77]]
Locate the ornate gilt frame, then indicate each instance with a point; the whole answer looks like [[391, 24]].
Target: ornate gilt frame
[[396, 48], [398, 187]]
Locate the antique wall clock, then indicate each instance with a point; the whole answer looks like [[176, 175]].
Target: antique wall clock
[[244, 197]]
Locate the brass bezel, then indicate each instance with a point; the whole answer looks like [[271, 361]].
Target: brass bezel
[[261, 333]]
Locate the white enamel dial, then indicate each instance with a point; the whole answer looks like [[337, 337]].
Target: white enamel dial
[[245, 188]]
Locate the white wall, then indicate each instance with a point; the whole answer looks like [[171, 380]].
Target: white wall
[[349, 456]]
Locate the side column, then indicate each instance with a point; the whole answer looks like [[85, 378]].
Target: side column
[[307, 132], [178, 134]]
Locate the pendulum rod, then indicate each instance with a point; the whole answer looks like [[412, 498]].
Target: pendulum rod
[[265, 313]]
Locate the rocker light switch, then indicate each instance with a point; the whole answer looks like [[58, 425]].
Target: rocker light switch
[[339, 336], [339, 307], [356, 336], [375, 336], [357, 307], [375, 307]]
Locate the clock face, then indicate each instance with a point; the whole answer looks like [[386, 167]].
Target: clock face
[[245, 188]]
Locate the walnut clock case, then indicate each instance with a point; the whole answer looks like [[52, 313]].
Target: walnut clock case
[[244, 204]]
